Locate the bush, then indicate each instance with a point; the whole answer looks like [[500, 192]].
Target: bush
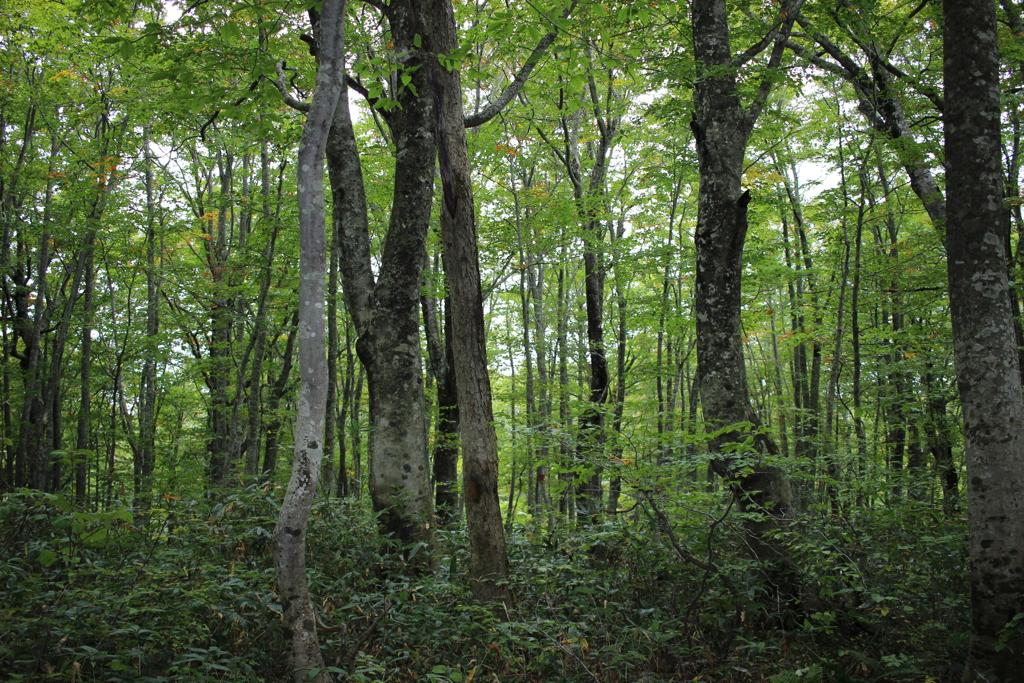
[[184, 592]]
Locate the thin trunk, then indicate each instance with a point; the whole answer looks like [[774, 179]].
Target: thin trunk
[[488, 554], [798, 368], [147, 383], [258, 340], [591, 203], [289, 541], [542, 422], [84, 418], [330, 425], [565, 502], [777, 362], [939, 433], [277, 391], [895, 410], [621, 369], [357, 434], [343, 489], [446, 433]]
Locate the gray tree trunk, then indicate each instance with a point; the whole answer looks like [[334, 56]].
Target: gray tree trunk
[[983, 336], [386, 309], [303, 646]]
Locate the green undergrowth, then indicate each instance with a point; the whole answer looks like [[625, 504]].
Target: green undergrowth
[[185, 592]]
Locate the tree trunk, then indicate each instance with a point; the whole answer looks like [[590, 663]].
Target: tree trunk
[[277, 392], [983, 337], [84, 419], [446, 433], [303, 646], [722, 127], [590, 205], [147, 384], [488, 553], [386, 311], [258, 339], [621, 369], [542, 421], [331, 424], [565, 502]]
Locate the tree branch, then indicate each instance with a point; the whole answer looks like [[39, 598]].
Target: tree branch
[[282, 87], [789, 15], [770, 37], [495, 106]]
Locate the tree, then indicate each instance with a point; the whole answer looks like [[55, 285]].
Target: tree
[[385, 307], [721, 127], [303, 646], [489, 556], [983, 337]]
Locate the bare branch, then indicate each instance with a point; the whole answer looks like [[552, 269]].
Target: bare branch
[[785, 19], [494, 107], [282, 87]]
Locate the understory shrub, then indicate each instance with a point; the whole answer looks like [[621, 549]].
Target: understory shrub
[[184, 591]]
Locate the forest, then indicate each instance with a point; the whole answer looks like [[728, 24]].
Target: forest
[[487, 340]]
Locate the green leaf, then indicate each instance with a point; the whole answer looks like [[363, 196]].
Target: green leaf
[[230, 31], [98, 537], [47, 557], [417, 40], [122, 515], [59, 501], [127, 49]]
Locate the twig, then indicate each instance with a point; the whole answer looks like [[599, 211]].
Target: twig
[[569, 652], [707, 567]]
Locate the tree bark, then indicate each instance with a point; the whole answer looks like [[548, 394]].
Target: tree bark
[[289, 541], [722, 127], [277, 392], [386, 309], [147, 383], [984, 346], [489, 556], [446, 433]]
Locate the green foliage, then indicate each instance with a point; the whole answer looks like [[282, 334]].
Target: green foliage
[[184, 592], [172, 594], [176, 585]]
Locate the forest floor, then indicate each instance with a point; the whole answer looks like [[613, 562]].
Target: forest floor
[[185, 592]]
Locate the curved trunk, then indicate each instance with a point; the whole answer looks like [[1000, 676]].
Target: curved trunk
[[489, 556], [387, 312], [303, 646]]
